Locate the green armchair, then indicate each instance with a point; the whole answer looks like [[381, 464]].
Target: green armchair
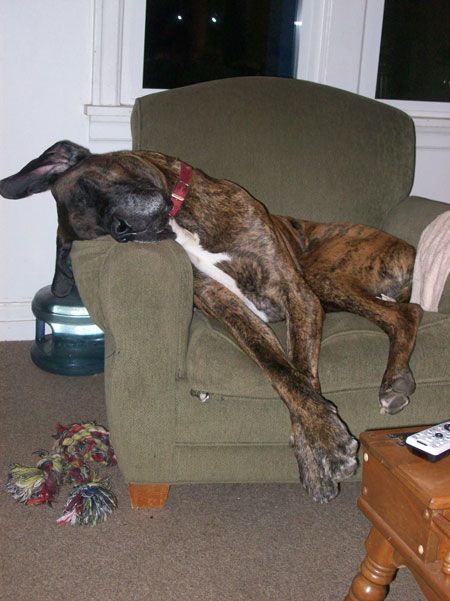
[[184, 403]]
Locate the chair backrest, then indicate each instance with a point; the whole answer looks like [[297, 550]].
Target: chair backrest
[[304, 149]]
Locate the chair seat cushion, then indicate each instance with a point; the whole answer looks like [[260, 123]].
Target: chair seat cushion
[[353, 356]]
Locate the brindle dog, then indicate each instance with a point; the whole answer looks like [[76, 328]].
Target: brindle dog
[[249, 267]]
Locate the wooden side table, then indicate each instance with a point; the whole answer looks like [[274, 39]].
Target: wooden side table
[[407, 499]]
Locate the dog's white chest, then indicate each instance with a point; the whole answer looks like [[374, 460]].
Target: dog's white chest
[[206, 262]]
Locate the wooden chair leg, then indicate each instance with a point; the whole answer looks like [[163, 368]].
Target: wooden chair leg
[[148, 496]]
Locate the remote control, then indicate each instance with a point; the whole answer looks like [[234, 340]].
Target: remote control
[[432, 443]]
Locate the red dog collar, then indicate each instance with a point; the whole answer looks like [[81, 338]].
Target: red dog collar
[[181, 188]]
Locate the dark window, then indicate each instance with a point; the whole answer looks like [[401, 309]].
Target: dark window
[[188, 41], [415, 51]]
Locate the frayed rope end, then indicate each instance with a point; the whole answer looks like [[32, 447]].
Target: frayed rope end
[[89, 504], [36, 485]]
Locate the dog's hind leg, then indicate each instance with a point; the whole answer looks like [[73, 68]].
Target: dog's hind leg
[[350, 268], [400, 321], [324, 448]]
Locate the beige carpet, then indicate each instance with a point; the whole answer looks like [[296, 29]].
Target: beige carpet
[[210, 543]]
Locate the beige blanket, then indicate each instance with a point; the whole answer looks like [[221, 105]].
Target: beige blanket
[[432, 264]]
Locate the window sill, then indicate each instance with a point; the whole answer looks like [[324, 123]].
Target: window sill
[[97, 110], [109, 123], [432, 132]]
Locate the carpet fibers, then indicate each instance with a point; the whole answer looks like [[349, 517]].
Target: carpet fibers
[[265, 542]]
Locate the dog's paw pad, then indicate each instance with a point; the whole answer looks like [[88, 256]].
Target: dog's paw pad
[[392, 402], [395, 391]]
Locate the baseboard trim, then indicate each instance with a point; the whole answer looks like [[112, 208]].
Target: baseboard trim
[[16, 320]]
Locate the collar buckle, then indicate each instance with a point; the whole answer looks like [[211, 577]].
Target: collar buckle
[[181, 189]]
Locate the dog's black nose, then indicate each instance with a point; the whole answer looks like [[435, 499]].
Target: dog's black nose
[[121, 226], [122, 231]]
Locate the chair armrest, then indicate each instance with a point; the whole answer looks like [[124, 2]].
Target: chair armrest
[[408, 220], [410, 217], [141, 295]]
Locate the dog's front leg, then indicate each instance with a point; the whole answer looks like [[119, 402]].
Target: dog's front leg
[[304, 318], [324, 449]]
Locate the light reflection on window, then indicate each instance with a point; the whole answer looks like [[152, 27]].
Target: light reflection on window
[[189, 41]]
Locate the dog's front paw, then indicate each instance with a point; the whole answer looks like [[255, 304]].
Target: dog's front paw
[[326, 455]]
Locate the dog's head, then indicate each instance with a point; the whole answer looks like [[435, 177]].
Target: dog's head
[[122, 194]]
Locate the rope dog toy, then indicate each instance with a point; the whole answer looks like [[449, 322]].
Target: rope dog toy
[[91, 499]]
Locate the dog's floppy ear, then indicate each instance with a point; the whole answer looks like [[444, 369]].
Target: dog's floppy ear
[[41, 173]]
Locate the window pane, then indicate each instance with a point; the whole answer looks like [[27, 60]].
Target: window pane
[[415, 51], [188, 41]]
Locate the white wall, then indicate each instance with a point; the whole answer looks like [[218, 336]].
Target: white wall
[[45, 80], [49, 51]]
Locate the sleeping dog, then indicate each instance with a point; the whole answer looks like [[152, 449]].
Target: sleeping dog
[[250, 268]]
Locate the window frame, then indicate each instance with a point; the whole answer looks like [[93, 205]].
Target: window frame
[[119, 36], [373, 25], [118, 51]]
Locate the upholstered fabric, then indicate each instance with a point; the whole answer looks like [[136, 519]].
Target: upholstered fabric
[[306, 150], [279, 137]]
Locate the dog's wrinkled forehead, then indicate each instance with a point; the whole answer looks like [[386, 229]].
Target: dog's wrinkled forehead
[[105, 174]]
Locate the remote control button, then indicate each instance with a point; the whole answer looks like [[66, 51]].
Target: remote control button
[[439, 435]]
